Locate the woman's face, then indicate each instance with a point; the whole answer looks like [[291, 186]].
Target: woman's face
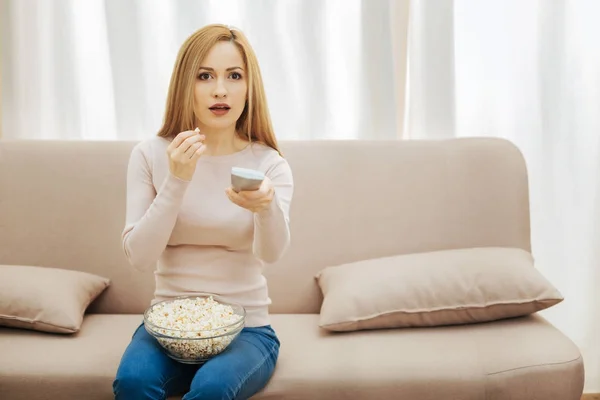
[[221, 87]]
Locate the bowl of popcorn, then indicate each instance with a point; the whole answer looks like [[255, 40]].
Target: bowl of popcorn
[[192, 329]]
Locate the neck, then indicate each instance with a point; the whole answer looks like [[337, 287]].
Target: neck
[[221, 141]]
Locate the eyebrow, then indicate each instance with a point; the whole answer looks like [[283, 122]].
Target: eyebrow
[[228, 69]]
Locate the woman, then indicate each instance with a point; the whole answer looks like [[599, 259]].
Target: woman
[[206, 237]]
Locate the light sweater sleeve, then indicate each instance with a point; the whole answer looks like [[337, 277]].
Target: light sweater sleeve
[[272, 226], [150, 216]]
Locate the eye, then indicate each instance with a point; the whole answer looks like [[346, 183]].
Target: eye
[[204, 76], [236, 75]]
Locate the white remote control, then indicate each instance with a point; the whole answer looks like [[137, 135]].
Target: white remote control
[[246, 179]]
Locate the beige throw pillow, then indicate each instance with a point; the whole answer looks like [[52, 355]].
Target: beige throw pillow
[[46, 299], [430, 289]]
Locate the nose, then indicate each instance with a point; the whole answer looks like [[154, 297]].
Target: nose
[[220, 90]]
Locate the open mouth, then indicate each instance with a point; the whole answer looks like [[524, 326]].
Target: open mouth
[[219, 109]]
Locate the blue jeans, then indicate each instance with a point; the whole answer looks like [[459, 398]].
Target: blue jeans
[[242, 370]]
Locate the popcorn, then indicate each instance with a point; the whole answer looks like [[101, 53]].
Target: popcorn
[[194, 319]]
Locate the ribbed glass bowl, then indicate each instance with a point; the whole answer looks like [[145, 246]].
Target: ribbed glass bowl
[[193, 346]]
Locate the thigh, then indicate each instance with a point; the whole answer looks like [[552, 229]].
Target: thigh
[[145, 371], [242, 370]]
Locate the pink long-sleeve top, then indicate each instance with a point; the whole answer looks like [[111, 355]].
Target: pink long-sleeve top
[[194, 237]]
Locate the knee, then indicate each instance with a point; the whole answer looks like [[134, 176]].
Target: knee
[[132, 386], [210, 391]]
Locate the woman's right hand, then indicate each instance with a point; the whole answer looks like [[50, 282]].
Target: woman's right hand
[[184, 152]]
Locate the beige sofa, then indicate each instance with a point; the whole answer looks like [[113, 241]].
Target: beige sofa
[[62, 205]]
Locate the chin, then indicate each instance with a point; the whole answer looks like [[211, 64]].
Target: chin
[[223, 122], [220, 124]]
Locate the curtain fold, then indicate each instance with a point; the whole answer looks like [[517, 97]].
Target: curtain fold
[[100, 69], [431, 104], [400, 17]]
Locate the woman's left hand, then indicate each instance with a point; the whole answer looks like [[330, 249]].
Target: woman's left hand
[[253, 200]]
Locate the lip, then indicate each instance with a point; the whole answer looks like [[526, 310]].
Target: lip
[[220, 106]]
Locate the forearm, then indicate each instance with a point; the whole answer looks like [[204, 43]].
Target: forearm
[[150, 220], [271, 232], [272, 225]]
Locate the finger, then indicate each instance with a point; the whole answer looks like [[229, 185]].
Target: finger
[[258, 204], [187, 143], [249, 194], [179, 139], [261, 193], [235, 197], [190, 141], [234, 200], [270, 193], [266, 184], [189, 153], [196, 155], [263, 203]]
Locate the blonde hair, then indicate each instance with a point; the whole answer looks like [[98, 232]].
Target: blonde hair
[[254, 124]]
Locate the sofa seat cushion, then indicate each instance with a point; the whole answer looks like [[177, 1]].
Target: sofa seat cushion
[[518, 359], [523, 358]]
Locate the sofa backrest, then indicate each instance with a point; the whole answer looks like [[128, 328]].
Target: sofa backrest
[[62, 205]]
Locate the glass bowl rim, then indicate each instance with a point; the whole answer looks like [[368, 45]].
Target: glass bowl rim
[[241, 319], [159, 335]]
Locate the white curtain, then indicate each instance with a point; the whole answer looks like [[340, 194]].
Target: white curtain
[[528, 71], [99, 69]]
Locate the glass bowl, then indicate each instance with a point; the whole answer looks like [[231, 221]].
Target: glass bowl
[[188, 343]]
